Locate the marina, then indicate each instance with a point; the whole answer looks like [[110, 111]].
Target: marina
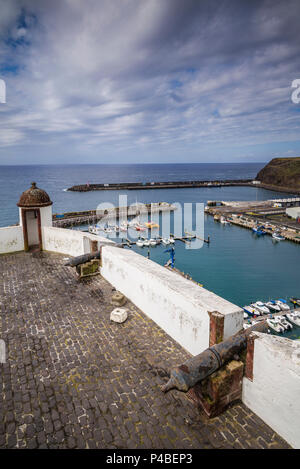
[[267, 217]]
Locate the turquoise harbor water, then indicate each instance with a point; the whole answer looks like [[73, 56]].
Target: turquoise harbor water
[[235, 265]]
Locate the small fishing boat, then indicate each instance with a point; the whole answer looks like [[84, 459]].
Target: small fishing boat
[[153, 242], [282, 304], [272, 306], [140, 243], [151, 224], [275, 325], [165, 241], [224, 221], [284, 322], [295, 301], [278, 237], [259, 230], [146, 242], [139, 228], [172, 240], [294, 318], [261, 307], [250, 310], [245, 315]]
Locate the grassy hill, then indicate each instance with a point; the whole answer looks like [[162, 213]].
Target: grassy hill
[[282, 172]]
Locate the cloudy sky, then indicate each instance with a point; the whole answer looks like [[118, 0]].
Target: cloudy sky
[[126, 81]]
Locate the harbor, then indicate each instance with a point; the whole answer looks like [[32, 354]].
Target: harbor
[[268, 217]]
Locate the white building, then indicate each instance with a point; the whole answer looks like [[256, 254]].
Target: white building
[[293, 212]]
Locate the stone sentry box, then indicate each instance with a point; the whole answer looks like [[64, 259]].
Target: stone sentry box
[[35, 212]]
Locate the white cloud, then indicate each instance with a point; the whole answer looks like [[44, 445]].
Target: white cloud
[[144, 73]]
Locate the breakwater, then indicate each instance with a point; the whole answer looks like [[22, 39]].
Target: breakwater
[[159, 185]]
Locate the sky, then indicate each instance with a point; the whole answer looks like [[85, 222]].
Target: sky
[[148, 81]]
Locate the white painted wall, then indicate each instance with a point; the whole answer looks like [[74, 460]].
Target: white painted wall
[[176, 304], [66, 241], [32, 228], [11, 239], [46, 215], [274, 394]]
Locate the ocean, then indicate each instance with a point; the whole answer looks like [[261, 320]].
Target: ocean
[[235, 265]]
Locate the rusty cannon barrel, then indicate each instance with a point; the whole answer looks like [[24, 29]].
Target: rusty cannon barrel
[[199, 367], [74, 261]]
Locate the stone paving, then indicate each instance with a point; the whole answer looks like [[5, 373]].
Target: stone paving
[[73, 379]]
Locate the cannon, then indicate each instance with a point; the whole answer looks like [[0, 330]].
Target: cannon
[[78, 260], [201, 366]]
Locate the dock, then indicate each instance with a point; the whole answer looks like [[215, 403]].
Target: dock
[[248, 214]]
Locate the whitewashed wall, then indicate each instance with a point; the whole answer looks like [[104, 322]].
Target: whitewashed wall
[[176, 304], [65, 241], [11, 239], [274, 394]]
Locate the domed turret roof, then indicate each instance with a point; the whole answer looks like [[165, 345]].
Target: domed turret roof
[[34, 197]]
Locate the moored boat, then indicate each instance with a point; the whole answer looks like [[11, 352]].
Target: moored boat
[[275, 325], [250, 310], [272, 306], [294, 318], [282, 320], [282, 304], [261, 307], [295, 300], [277, 236]]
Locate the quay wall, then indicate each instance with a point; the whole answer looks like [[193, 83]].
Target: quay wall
[[177, 305], [274, 392], [11, 239]]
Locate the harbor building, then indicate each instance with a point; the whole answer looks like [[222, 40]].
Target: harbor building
[[293, 212], [72, 378]]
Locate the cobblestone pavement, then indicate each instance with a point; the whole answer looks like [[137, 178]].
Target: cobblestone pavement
[[73, 379]]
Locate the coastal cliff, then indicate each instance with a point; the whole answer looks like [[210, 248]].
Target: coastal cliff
[[281, 173]]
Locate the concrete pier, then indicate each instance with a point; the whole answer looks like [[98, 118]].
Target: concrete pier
[[159, 185]]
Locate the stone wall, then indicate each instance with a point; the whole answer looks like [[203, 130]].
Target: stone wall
[[69, 242], [273, 388], [11, 239], [177, 305]]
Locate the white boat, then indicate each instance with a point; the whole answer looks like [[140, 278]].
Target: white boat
[[275, 325], [282, 305], [224, 221], [271, 305], [250, 310], [294, 318], [278, 236], [153, 242], [172, 240], [96, 230], [261, 307], [146, 242], [245, 315], [165, 241], [140, 243], [284, 322]]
